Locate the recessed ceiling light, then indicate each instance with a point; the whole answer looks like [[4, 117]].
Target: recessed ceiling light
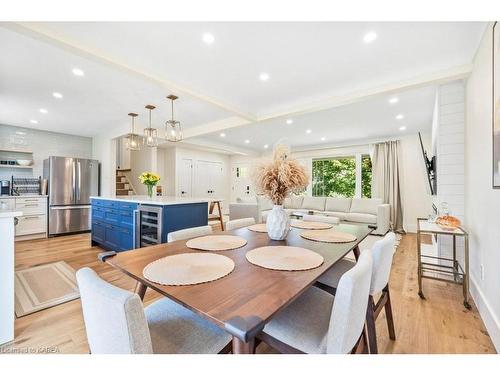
[[264, 76], [34, 121], [308, 131], [78, 72], [393, 100], [400, 117], [370, 37], [289, 121], [323, 138], [402, 128], [57, 95], [222, 135], [247, 141], [43, 110], [208, 38], [266, 146], [20, 133]]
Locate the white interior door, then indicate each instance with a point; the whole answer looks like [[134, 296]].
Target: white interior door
[[186, 178], [202, 179], [216, 180], [241, 182]]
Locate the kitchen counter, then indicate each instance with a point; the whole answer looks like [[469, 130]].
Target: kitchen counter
[[125, 223], [23, 196], [7, 218], [160, 201]]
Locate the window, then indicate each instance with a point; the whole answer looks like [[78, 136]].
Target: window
[[334, 177], [366, 176]]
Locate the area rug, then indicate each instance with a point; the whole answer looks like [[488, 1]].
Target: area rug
[[44, 286]]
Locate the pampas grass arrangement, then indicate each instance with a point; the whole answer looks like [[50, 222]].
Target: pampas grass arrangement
[[281, 176]]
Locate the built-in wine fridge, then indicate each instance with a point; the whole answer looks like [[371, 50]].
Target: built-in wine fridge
[[148, 225]]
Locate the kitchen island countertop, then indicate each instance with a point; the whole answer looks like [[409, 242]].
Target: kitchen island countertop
[[160, 201]]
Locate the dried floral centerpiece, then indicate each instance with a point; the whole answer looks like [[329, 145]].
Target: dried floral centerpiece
[[277, 179], [149, 179]]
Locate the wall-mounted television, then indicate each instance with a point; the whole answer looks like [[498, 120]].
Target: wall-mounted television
[[430, 167]]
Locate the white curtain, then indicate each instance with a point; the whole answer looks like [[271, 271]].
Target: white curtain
[[386, 180]]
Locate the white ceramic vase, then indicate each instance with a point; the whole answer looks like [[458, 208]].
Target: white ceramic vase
[[278, 223]]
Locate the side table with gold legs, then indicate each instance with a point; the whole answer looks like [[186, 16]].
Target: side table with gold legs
[[435, 267]]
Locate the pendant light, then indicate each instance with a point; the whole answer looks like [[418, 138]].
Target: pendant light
[[173, 130], [150, 133], [133, 139]]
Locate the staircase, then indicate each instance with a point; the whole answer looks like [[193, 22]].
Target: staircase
[[123, 185]]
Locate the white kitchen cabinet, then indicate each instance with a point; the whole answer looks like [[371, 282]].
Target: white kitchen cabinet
[[33, 222]]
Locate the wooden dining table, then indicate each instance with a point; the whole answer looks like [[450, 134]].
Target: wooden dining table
[[242, 302]]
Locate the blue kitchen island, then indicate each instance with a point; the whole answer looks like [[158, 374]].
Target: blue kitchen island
[[125, 223]]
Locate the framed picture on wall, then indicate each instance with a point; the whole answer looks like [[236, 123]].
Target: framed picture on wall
[[496, 106]]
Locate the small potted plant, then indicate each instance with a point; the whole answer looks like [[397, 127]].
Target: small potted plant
[[149, 179], [277, 179]]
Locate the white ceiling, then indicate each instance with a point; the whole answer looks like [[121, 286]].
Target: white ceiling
[[129, 65], [370, 119], [306, 61], [30, 71]]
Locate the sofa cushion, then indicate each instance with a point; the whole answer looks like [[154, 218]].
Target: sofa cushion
[[314, 203], [361, 218], [264, 215], [264, 203], [340, 215], [246, 200], [338, 204], [293, 202], [365, 205]]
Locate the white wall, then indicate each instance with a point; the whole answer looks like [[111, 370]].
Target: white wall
[[415, 190], [482, 202], [143, 160], [43, 144]]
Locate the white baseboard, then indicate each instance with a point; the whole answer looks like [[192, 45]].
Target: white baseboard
[[489, 317]]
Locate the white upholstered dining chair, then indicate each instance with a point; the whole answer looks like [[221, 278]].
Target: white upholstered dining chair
[[117, 323], [186, 234], [382, 251], [318, 322], [240, 223], [321, 218]]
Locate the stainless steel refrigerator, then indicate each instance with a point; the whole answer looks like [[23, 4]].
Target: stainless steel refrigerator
[[71, 182]]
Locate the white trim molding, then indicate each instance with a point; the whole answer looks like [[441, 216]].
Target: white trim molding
[[490, 320]]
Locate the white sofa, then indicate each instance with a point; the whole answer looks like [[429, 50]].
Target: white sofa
[[355, 210]]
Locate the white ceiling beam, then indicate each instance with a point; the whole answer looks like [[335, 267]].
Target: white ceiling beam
[[215, 126], [434, 78], [438, 77], [38, 32]]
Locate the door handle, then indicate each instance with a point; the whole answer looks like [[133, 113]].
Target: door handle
[[79, 180]]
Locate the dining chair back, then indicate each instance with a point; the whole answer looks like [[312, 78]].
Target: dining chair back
[[321, 218], [114, 318], [349, 306], [240, 223], [186, 234], [382, 252]]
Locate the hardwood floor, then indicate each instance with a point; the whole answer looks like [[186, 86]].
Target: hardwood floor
[[439, 324]]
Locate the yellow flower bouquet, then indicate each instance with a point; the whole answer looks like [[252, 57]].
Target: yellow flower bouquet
[[149, 179]]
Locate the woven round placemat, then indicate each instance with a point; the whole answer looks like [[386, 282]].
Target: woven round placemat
[[217, 242], [284, 258], [261, 228], [331, 236], [188, 269], [312, 225]]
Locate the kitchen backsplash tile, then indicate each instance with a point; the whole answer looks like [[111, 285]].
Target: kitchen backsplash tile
[[43, 144]]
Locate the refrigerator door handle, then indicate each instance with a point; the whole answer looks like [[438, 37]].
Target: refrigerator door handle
[[73, 183], [79, 180]]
